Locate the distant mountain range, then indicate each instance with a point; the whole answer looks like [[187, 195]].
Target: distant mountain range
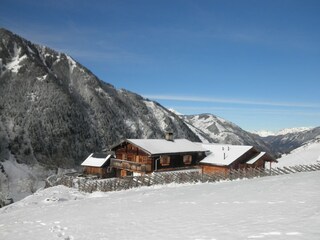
[[264, 133], [213, 129], [283, 144], [54, 111]]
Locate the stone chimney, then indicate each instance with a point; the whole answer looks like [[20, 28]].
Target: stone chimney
[[169, 136]]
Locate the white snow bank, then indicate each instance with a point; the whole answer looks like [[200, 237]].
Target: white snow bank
[[14, 65], [281, 207], [72, 63]]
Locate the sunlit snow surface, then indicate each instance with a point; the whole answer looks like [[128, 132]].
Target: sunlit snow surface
[[281, 207]]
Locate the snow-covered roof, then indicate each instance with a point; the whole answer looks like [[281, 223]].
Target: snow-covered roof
[[256, 158], [223, 154], [96, 160], [162, 146]]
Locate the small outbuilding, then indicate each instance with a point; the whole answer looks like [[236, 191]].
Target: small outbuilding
[[223, 157], [98, 164]]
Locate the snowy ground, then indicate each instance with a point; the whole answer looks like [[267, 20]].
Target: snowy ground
[[281, 207], [306, 154]]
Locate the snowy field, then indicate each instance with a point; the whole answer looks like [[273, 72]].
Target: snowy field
[[281, 207]]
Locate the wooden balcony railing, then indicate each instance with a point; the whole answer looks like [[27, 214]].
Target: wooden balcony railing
[[130, 166]]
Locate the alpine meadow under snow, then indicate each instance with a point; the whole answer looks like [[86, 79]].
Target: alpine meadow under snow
[[281, 207]]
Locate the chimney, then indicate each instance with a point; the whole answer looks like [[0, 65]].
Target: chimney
[[169, 136]]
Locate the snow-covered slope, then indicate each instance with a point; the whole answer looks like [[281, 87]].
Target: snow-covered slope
[[283, 207], [306, 154]]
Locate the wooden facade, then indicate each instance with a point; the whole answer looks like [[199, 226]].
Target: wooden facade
[[133, 159], [209, 169], [102, 172]]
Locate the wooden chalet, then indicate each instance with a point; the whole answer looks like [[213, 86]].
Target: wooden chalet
[[222, 158], [144, 156]]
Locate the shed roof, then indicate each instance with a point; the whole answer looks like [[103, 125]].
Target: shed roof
[[256, 158], [96, 159], [223, 154], [162, 146], [266, 157]]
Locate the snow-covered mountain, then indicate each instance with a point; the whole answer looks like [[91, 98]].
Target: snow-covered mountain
[[283, 144], [279, 207], [55, 111], [213, 129], [293, 130], [265, 133]]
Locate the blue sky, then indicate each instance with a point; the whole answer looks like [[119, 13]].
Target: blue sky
[[253, 62]]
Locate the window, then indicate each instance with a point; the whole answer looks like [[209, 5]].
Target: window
[[187, 159], [165, 160], [144, 159]]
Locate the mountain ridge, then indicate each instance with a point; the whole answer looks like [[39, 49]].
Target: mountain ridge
[[214, 129], [266, 133]]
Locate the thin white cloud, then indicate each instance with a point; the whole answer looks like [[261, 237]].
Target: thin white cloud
[[230, 101], [245, 110]]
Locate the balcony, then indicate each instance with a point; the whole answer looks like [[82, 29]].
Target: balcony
[[130, 166]]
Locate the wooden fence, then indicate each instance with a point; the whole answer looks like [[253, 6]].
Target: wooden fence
[[116, 184]]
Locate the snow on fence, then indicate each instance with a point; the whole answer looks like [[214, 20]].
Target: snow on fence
[[117, 184]]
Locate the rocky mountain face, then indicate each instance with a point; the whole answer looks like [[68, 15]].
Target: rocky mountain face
[[213, 129], [55, 111]]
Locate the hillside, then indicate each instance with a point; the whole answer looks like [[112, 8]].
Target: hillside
[[309, 153], [248, 209], [55, 111]]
